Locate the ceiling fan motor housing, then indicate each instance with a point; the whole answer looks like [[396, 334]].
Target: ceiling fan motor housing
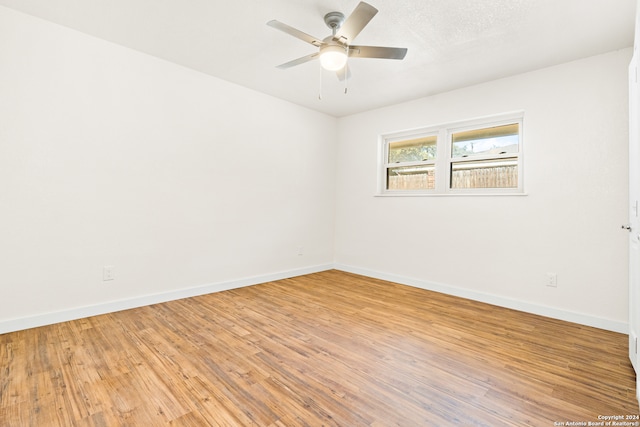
[[334, 20], [333, 53]]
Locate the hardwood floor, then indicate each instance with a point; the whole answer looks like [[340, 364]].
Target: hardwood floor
[[327, 349]]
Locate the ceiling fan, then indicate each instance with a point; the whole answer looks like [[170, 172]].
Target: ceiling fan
[[334, 50]]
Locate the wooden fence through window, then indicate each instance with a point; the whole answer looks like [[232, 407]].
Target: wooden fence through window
[[494, 177]]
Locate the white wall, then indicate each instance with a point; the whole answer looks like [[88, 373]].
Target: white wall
[[499, 248], [178, 179]]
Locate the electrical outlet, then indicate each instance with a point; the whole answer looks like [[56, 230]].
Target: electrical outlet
[[300, 251], [552, 280], [108, 273]]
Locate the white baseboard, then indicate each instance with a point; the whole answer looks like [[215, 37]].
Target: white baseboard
[[18, 324], [555, 313]]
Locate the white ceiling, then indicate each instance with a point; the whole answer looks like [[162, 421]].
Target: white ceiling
[[452, 43]]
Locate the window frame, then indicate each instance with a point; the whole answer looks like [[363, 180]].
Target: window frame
[[444, 160], [423, 133]]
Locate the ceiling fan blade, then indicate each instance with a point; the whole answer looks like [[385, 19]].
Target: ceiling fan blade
[[377, 52], [299, 61], [295, 33], [344, 73], [359, 18]]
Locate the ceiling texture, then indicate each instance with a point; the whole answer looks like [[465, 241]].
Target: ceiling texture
[[451, 43]]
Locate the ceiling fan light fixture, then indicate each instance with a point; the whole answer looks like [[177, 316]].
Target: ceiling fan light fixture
[[333, 57]]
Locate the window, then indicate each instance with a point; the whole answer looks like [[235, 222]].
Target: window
[[413, 163], [473, 157], [485, 157]]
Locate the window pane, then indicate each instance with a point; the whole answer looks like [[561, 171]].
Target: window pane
[[411, 178], [487, 141], [499, 173], [413, 150]]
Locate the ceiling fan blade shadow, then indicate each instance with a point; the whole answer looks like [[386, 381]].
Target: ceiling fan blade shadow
[[295, 33], [359, 18], [299, 61], [377, 52]]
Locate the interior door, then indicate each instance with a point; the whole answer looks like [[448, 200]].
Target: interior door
[[634, 215]]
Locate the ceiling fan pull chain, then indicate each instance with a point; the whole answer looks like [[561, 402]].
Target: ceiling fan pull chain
[[346, 78]]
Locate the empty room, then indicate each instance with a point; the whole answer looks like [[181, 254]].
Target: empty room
[[319, 213]]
